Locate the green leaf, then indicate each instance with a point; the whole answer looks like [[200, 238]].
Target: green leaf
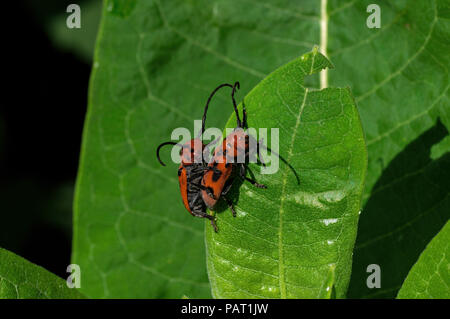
[[408, 206], [430, 276], [294, 239], [20, 279], [399, 76]]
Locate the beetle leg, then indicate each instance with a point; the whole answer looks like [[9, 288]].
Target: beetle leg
[[242, 172], [230, 205], [227, 186], [254, 183], [213, 221], [203, 214]]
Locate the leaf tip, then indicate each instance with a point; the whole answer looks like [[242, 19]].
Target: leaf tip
[[315, 61]]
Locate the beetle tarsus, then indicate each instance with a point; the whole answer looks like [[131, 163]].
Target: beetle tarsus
[[230, 205]]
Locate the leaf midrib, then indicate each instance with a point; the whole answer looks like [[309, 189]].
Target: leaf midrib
[[323, 84], [323, 40], [281, 279]]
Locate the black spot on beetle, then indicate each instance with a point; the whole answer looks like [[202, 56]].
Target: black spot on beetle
[[216, 175]]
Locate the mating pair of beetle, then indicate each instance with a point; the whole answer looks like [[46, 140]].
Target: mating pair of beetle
[[202, 182]]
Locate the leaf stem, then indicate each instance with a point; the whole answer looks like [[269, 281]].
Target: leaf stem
[[323, 41]]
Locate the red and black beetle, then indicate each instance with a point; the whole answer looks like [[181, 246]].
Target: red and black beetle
[[192, 168], [218, 179]]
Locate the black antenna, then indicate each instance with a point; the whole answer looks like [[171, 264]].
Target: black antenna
[[207, 104], [244, 118], [236, 85], [161, 145]]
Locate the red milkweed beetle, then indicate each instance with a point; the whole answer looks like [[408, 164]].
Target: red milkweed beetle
[[217, 181], [192, 169]]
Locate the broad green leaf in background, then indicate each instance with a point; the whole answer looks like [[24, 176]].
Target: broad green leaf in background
[[156, 63], [430, 276], [288, 240], [399, 75], [21, 279], [415, 194]]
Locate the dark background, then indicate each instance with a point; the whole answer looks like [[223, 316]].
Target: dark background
[[43, 105]]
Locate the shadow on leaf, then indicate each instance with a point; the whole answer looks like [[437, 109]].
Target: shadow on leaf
[[408, 205]]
